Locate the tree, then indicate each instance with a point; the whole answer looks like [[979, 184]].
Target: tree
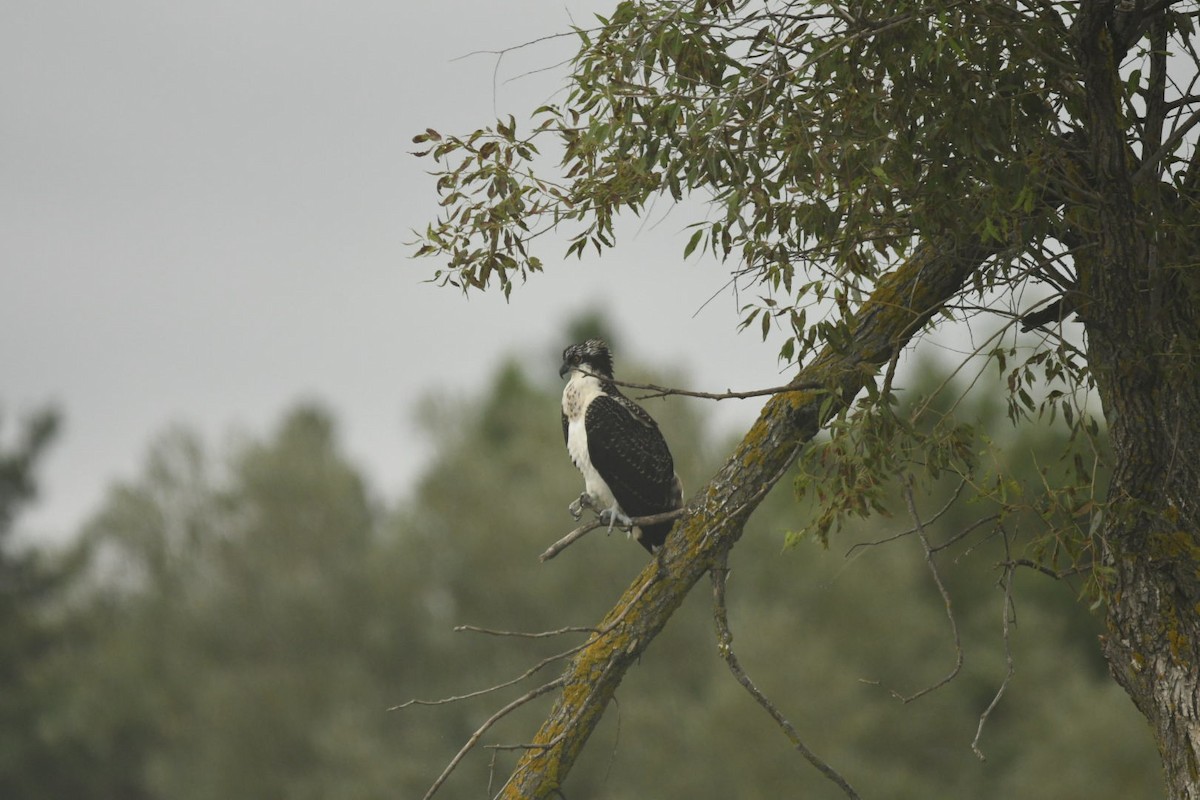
[[235, 633], [878, 172], [18, 486], [26, 580]]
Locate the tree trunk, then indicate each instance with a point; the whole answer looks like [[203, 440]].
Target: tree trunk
[[1144, 333], [1140, 312]]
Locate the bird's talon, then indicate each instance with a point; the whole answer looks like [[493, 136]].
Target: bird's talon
[[576, 509], [614, 518]]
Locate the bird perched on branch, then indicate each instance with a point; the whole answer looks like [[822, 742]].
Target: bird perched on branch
[[627, 468]]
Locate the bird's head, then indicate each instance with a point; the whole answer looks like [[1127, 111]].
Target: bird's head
[[591, 356]]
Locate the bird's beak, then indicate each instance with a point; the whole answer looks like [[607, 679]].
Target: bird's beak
[[564, 369]]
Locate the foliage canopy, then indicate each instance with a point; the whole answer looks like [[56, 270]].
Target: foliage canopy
[[826, 141], [873, 171]]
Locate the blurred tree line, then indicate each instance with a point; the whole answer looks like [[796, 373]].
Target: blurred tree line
[[238, 625]]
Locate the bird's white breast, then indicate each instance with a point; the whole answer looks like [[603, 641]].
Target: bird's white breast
[[577, 395]]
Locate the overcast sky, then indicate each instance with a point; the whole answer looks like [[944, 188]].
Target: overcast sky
[[203, 215]]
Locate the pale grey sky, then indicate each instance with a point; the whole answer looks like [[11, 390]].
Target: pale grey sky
[[203, 211]]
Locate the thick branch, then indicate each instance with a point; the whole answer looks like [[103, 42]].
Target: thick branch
[[903, 301]]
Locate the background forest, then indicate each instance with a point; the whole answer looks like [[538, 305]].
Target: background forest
[[240, 621]]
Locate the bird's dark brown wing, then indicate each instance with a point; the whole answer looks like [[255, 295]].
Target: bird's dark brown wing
[[630, 453]]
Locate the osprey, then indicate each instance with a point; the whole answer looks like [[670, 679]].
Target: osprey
[[627, 468]]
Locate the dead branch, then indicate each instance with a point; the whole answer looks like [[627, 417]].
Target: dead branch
[[1149, 166], [479, 693], [910, 531], [532, 694], [588, 527], [966, 532], [725, 647], [666, 391], [556, 741], [1058, 575], [1006, 617], [532, 670], [937, 579], [524, 634], [570, 539], [520, 701]]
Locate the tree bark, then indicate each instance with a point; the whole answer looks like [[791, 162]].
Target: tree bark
[[901, 304], [1140, 313]]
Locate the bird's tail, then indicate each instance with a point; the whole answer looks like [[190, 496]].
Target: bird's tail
[[654, 536]]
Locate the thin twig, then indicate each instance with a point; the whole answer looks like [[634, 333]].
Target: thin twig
[[1058, 575], [588, 527], [966, 532], [513, 48], [524, 634], [604, 631], [536, 667], [954, 497], [521, 746], [612, 756], [725, 646], [566, 728], [890, 375], [1007, 614], [664, 391], [527, 673], [1149, 167], [937, 579], [532, 694], [528, 696], [570, 539]]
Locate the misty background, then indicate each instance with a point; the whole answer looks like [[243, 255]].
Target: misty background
[[204, 212]]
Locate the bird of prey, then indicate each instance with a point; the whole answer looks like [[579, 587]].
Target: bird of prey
[[626, 465]]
